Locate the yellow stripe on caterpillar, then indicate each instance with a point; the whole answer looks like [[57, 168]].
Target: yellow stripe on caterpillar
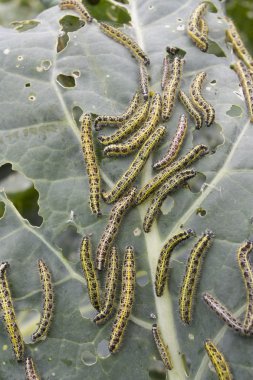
[[90, 159], [126, 300], [135, 167], [162, 347], [196, 116], [218, 360]]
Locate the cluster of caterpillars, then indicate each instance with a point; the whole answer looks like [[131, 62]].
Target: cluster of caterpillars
[[138, 131]]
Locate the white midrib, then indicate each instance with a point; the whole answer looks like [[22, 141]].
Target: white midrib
[[163, 304]]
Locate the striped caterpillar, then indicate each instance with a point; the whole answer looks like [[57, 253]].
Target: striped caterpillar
[[197, 29], [219, 362], [162, 347], [135, 167], [126, 300], [175, 144], [78, 7], [48, 302], [170, 185], [191, 276], [193, 155], [196, 116], [144, 81], [30, 370]]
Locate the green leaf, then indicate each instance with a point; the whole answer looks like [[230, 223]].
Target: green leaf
[[40, 138]]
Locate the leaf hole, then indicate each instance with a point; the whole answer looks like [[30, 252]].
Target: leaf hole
[[157, 371], [211, 136], [23, 26], [195, 184], [22, 193], [2, 209], [88, 357], [69, 241], [68, 24], [215, 49], [28, 85], [234, 111], [102, 349], [142, 278], [66, 81]]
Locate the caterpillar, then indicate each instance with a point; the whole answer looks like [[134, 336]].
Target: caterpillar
[[223, 313], [138, 138], [175, 144], [9, 316], [245, 267], [126, 41], [48, 302], [135, 167], [219, 362], [126, 300], [78, 7], [144, 81], [193, 155], [128, 127], [162, 347], [164, 259], [91, 163], [191, 276], [203, 27], [198, 100], [196, 29], [115, 121], [246, 83], [196, 116], [112, 227], [110, 287], [165, 71], [174, 182], [30, 370], [89, 272], [238, 45], [171, 88]]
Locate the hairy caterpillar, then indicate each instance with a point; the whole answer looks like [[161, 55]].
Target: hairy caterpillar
[[191, 276], [9, 316], [219, 362], [110, 287], [78, 7], [175, 144], [126, 41], [140, 136], [170, 185], [162, 347], [165, 71], [135, 167], [48, 302], [195, 28], [91, 163], [193, 155], [223, 313], [126, 300], [196, 116], [238, 45], [246, 80], [171, 88], [245, 267], [115, 121], [30, 370], [89, 272], [164, 259], [144, 81], [128, 127], [112, 227], [199, 101]]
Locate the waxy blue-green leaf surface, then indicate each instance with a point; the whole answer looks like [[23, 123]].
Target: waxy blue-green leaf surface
[[41, 139]]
